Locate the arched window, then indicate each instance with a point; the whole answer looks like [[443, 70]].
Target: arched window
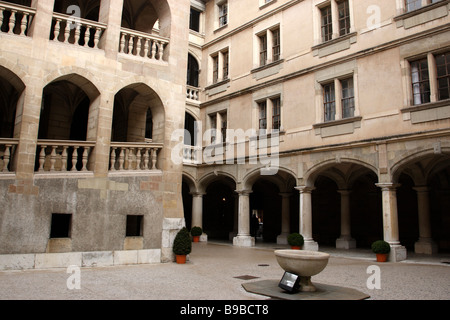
[[193, 71]]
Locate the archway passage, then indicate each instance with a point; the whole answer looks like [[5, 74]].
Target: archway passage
[[187, 203], [346, 206], [219, 210], [138, 115], [11, 89], [423, 199]]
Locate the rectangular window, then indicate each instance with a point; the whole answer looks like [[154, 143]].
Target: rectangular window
[[276, 114], [412, 5], [420, 81], [213, 121], [344, 17], [194, 20], [276, 44], [263, 50], [223, 14], [225, 64], [60, 225], [215, 69], [329, 102], [134, 226], [443, 75], [223, 127], [348, 98], [326, 24], [262, 106]]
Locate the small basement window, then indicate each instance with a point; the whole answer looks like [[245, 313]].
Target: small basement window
[[134, 225], [61, 225]]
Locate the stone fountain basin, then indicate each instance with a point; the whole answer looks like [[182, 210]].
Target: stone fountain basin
[[302, 262]]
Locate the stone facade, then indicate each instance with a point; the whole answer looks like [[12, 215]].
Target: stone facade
[[326, 117]]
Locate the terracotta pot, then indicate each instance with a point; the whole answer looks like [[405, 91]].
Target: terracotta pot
[[296, 248], [196, 238], [382, 257], [181, 259]]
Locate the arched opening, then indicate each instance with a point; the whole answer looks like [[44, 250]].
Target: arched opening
[[187, 203], [265, 204], [138, 115], [68, 105], [142, 15], [11, 89], [192, 71], [346, 205], [189, 127], [326, 208], [423, 201]]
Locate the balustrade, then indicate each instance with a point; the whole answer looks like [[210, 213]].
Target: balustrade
[[142, 44], [191, 154], [134, 156], [7, 148], [63, 156], [70, 30], [15, 19], [192, 93]]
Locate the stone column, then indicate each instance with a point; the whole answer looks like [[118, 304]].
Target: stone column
[[111, 14], [306, 218], [243, 238], [285, 218], [197, 213], [42, 21], [425, 243], [390, 221], [345, 241]]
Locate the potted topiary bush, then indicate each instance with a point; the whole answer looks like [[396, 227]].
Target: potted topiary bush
[[182, 245], [295, 240], [196, 232], [381, 248]]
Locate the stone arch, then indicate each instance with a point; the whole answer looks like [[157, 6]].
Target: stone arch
[[208, 178], [74, 91], [280, 178], [12, 90], [320, 167], [141, 15], [131, 104], [193, 70]]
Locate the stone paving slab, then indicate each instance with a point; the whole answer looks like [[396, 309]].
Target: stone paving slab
[[270, 288]]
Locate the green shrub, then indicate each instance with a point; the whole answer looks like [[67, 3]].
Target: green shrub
[[381, 246], [196, 231], [182, 244], [295, 239]]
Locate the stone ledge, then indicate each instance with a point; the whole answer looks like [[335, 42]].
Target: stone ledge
[[81, 259]]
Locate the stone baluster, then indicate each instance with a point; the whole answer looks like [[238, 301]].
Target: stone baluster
[[153, 49], [160, 50], [138, 46], [130, 44], [113, 159], [146, 41], [138, 158], [121, 159], [146, 158], [6, 157], [122, 43], [77, 34], [97, 34], [12, 21], [57, 30], [64, 159], [86, 35], [154, 158], [66, 32], [1, 16], [23, 23], [52, 157], [85, 158], [74, 158], [42, 158]]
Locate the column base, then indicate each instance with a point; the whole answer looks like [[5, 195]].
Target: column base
[[244, 241], [345, 243], [427, 246], [398, 253], [282, 238], [310, 245], [204, 237]]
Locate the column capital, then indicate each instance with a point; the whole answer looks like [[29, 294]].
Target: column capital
[[305, 189], [422, 189], [344, 191], [389, 186], [243, 192], [285, 194], [197, 194]]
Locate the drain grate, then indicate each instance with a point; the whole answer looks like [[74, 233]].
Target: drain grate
[[446, 262], [246, 277], [263, 265]]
